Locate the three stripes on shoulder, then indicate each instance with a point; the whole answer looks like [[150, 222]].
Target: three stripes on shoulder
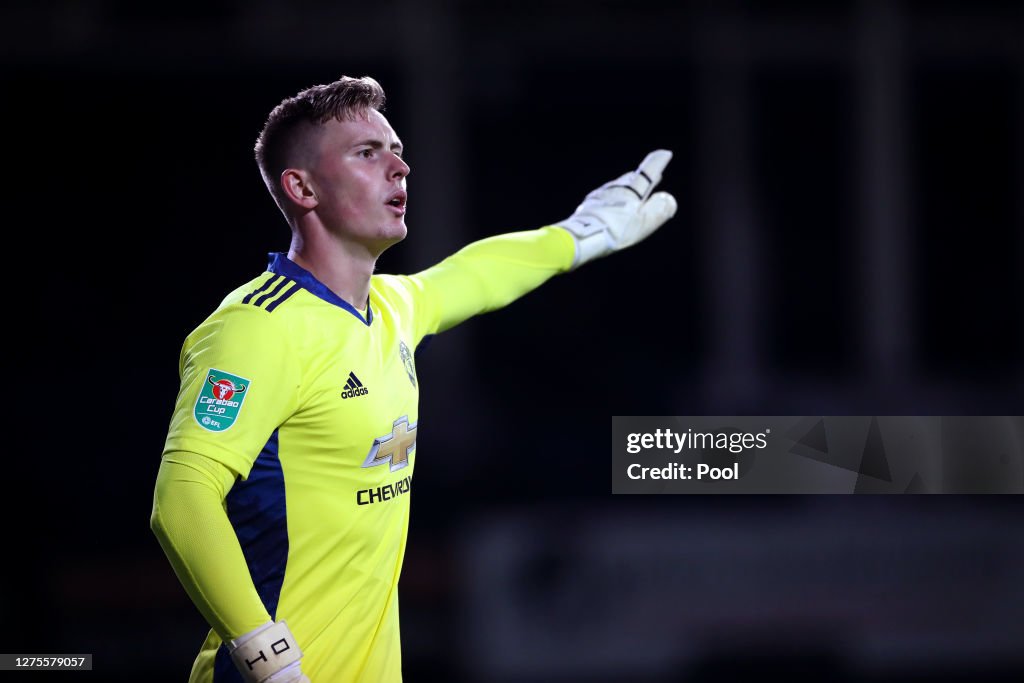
[[273, 293]]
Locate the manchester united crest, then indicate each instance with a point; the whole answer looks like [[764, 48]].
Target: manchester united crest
[[406, 355]]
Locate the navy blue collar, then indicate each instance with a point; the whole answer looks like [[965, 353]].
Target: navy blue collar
[[280, 264]]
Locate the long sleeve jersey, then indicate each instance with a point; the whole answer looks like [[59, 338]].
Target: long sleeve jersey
[[284, 488]]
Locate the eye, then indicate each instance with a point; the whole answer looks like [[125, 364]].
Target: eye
[[366, 153]]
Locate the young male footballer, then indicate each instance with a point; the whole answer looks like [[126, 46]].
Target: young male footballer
[[282, 499]]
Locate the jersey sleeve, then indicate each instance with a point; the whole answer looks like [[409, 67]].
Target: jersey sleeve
[[239, 382], [193, 529], [487, 275]]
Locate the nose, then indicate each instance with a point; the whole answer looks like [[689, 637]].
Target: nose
[[400, 168]]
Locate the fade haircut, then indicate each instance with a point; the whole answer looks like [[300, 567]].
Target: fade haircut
[[344, 99]]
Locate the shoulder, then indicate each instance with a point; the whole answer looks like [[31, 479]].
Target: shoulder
[[249, 315], [388, 288], [397, 289], [266, 292]]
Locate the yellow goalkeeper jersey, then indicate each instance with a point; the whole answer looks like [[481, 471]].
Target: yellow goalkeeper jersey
[[313, 404]]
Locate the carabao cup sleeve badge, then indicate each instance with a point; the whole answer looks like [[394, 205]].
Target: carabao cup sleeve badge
[[220, 400]]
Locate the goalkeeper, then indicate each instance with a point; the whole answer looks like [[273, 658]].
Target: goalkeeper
[[282, 498]]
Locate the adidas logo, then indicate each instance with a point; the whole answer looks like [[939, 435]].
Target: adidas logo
[[353, 387]]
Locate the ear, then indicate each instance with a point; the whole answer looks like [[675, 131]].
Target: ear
[[298, 188]]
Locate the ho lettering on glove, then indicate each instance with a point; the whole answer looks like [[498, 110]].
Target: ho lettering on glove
[[268, 654]]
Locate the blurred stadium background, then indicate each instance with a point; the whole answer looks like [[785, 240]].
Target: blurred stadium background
[[849, 241]]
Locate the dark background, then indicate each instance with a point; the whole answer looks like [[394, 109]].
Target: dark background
[[849, 242]]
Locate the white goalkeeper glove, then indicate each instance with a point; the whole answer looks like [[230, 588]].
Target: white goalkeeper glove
[[268, 654], [622, 212]]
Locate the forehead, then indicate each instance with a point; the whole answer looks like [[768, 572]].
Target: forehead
[[367, 125]]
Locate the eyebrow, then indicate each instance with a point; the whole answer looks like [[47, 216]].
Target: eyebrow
[[377, 144]]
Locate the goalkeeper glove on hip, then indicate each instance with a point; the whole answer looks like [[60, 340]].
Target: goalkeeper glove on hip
[[268, 654]]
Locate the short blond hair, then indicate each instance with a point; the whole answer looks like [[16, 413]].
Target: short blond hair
[[340, 100]]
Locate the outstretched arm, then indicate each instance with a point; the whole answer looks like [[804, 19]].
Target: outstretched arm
[[493, 272]]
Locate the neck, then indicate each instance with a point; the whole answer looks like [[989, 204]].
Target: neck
[[344, 267]]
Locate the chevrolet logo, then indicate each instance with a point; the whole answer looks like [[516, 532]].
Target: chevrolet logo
[[393, 448]]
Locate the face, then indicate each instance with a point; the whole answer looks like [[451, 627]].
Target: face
[[358, 175]]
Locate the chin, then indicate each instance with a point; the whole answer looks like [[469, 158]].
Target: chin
[[390, 237], [394, 235]]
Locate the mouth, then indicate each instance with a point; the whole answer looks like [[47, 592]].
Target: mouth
[[397, 202]]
